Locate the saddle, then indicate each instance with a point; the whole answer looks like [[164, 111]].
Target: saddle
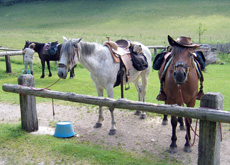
[[50, 48], [120, 53]]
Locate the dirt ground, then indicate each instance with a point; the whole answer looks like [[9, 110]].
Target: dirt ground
[[133, 134]]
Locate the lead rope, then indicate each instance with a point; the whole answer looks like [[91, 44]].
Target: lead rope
[[46, 88], [195, 134]]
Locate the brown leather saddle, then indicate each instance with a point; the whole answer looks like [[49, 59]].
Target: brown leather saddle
[[120, 53]]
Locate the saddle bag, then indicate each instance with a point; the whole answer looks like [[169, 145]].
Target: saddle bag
[[53, 48], [158, 60], [139, 60], [201, 59]]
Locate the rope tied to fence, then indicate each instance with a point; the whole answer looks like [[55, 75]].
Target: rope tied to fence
[[42, 89]]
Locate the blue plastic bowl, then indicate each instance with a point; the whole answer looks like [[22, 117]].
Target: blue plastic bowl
[[64, 129], [28, 72]]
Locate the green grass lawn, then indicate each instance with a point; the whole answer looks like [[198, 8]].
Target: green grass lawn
[[146, 21]]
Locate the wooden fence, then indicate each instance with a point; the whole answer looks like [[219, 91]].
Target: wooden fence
[[209, 138], [7, 55]]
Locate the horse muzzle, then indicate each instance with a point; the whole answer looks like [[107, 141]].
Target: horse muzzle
[[62, 71], [180, 72]]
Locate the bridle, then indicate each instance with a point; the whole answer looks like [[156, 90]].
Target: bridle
[[181, 64], [61, 65]]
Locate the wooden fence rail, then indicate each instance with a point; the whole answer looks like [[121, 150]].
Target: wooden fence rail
[[197, 113], [209, 132]]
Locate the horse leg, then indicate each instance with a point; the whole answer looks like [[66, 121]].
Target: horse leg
[[43, 69], [173, 146], [48, 65], [141, 89], [110, 93], [188, 122], [187, 147], [165, 120], [72, 75], [180, 120], [100, 117]]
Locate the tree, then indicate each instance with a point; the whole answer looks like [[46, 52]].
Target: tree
[[201, 31]]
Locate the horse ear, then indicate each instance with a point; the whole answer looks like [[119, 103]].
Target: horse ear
[[64, 38], [171, 41], [79, 39], [76, 41]]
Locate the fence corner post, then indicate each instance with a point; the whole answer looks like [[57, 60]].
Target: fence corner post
[[210, 136], [28, 109], [8, 64]]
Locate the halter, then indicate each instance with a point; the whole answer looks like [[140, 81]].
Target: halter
[[61, 65]]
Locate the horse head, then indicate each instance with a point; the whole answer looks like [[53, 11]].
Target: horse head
[[183, 58], [69, 56], [27, 43]]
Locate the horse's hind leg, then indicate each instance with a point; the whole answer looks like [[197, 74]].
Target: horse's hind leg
[[48, 65], [165, 120], [180, 120], [141, 89]]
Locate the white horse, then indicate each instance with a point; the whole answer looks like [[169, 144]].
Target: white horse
[[103, 70]]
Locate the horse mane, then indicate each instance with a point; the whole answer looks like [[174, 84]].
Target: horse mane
[[87, 48]]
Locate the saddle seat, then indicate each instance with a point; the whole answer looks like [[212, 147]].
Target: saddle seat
[[120, 47]]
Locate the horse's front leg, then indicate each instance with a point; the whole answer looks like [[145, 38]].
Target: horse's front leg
[[43, 69], [173, 145], [48, 65], [110, 93], [187, 147], [113, 129], [100, 117]]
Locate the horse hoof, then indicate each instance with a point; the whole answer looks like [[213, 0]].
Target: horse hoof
[[143, 116], [164, 122], [112, 132], [97, 125], [42, 76], [182, 128], [173, 150], [50, 75], [187, 149], [137, 113]]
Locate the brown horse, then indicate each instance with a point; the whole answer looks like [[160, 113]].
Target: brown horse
[[181, 84]]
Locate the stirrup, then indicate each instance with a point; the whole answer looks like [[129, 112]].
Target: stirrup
[[200, 95], [161, 96]]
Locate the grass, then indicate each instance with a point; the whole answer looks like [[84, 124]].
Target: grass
[[25, 148], [146, 21]]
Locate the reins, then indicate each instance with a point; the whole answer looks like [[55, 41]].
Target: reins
[[195, 134], [194, 131]]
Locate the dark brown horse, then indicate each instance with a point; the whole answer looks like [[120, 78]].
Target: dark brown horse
[[181, 75], [47, 58]]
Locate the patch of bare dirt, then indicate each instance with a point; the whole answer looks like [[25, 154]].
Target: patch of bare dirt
[[133, 134]]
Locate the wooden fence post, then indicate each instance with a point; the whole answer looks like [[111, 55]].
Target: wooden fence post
[[8, 64], [210, 135], [29, 118]]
